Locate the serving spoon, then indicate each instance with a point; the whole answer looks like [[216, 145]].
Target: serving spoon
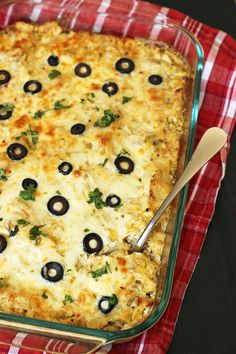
[[211, 142]]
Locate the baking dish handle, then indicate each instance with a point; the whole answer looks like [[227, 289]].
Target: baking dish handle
[[48, 343]]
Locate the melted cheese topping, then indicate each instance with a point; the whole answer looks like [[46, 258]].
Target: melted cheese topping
[[147, 129]]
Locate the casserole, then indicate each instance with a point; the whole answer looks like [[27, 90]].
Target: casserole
[[170, 247]]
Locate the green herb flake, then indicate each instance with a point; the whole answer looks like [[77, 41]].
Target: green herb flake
[[1, 219], [44, 295], [13, 232], [29, 193], [123, 152], [6, 107], [54, 74], [106, 120], [3, 176], [39, 114], [58, 192], [101, 271], [126, 99], [96, 198], [68, 299], [82, 100], [31, 135], [59, 105], [36, 233], [113, 300], [104, 163], [86, 230], [22, 222]]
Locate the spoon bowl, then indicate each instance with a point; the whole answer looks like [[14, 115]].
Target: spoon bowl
[[211, 142]]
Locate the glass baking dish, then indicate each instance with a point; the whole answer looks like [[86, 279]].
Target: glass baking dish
[[72, 339]]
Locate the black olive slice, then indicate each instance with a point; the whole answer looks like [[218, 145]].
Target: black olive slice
[[110, 88], [5, 77], [92, 243], [107, 303], [53, 60], [78, 129], [125, 65], [32, 86], [16, 151], [113, 201], [155, 79], [29, 182], [83, 70], [3, 244], [58, 205], [4, 115], [124, 165], [65, 168], [52, 271]]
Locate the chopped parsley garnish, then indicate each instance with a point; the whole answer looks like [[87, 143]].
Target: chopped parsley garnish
[[58, 192], [13, 232], [101, 271], [29, 193], [113, 300], [35, 234], [44, 295], [59, 105], [106, 120], [22, 222], [6, 107], [68, 299], [104, 163], [123, 152], [3, 176], [54, 74], [86, 230], [39, 114], [126, 99], [96, 198], [91, 97], [1, 219], [31, 135]]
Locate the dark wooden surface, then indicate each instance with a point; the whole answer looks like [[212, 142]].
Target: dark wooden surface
[[207, 320]]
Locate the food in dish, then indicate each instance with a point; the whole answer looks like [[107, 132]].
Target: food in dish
[[90, 136]]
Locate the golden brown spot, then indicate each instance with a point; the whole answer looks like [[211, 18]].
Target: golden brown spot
[[3, 143], [77, 173], [121, 261], [20, 42], [123, 270], [82, 298], [95, 86], [156, 94], [104, 139], [51, 131], [22, 121]]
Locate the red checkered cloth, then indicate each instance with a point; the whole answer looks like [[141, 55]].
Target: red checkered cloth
[[217, 108]]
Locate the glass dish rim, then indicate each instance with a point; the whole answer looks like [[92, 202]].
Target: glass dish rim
[[159, 310]]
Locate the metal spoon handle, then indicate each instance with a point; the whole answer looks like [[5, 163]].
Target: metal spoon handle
[[211, 142]]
